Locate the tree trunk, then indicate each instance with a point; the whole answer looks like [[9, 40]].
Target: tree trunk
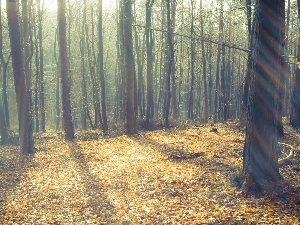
[[57, 91], [260, 159], [192, 59], [204, 65], [4, 120], [170, 63], [217, 88], [149, 46], [131, 127], [295, 101], [101, 68], [139, 50], [23, 103], [84, 100], [41, 68], [65, 80], [175, 109]]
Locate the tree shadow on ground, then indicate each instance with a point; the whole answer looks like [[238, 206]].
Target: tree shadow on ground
[[11, 169], [287, 203], [98, 199], [176, 152]]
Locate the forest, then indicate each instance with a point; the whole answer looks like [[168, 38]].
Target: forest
[[149, 112]]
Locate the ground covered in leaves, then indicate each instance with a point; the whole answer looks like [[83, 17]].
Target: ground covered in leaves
[[178, 176]]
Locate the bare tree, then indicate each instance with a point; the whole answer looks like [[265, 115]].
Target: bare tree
[[295, 101], [130, 84], [149, 45], [63, 51], [101, 68], [260, 159], [23, 103], [169, 69]]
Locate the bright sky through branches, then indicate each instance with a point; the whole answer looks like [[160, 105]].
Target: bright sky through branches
[[52, 4]]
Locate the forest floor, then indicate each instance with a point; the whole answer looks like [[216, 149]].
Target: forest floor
[[176, 176]]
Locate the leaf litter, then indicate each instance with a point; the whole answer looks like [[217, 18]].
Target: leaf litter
[[178, 176]]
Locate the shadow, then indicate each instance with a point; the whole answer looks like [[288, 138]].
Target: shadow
[[11, 169], [98, 200], [175, 152], [287, 203]]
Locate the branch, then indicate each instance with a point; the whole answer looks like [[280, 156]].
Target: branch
[[198, 37]]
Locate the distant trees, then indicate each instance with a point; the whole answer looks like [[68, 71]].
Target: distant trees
[[260, 157], [187, 67]]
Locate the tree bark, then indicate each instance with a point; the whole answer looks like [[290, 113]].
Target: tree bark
[[169, 69], [131, 127], [4, 120], [149, 46], [101, 68], [41, 68], [175, 109], [260, 159], [192, 68], [23, 103], [204, 65], [295, 101], [65, 80], [217, 88]]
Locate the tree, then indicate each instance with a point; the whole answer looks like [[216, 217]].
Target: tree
[[149, 45], [101, 68], [169, 66], [204, 65], [217, 91], [295, 101], [130, 83], [41, 68], [175, 108], [63, 51], [4, 115], [22, 94], [260, 159], [192, 68]]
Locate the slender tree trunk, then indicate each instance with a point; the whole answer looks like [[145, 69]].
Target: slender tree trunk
[[65, 80], [175, 109], [101, 68], [41, 68], [295, 101], [131, 126], [192, 68], [139, 50], [23, 102], [4, 120], [204, 65], [57, 91], [84, 100], [248, 73], [217, 90], [170, 63], [149, 45], [287, 96]]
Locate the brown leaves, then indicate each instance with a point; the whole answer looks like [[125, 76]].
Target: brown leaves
[[135, 180]]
